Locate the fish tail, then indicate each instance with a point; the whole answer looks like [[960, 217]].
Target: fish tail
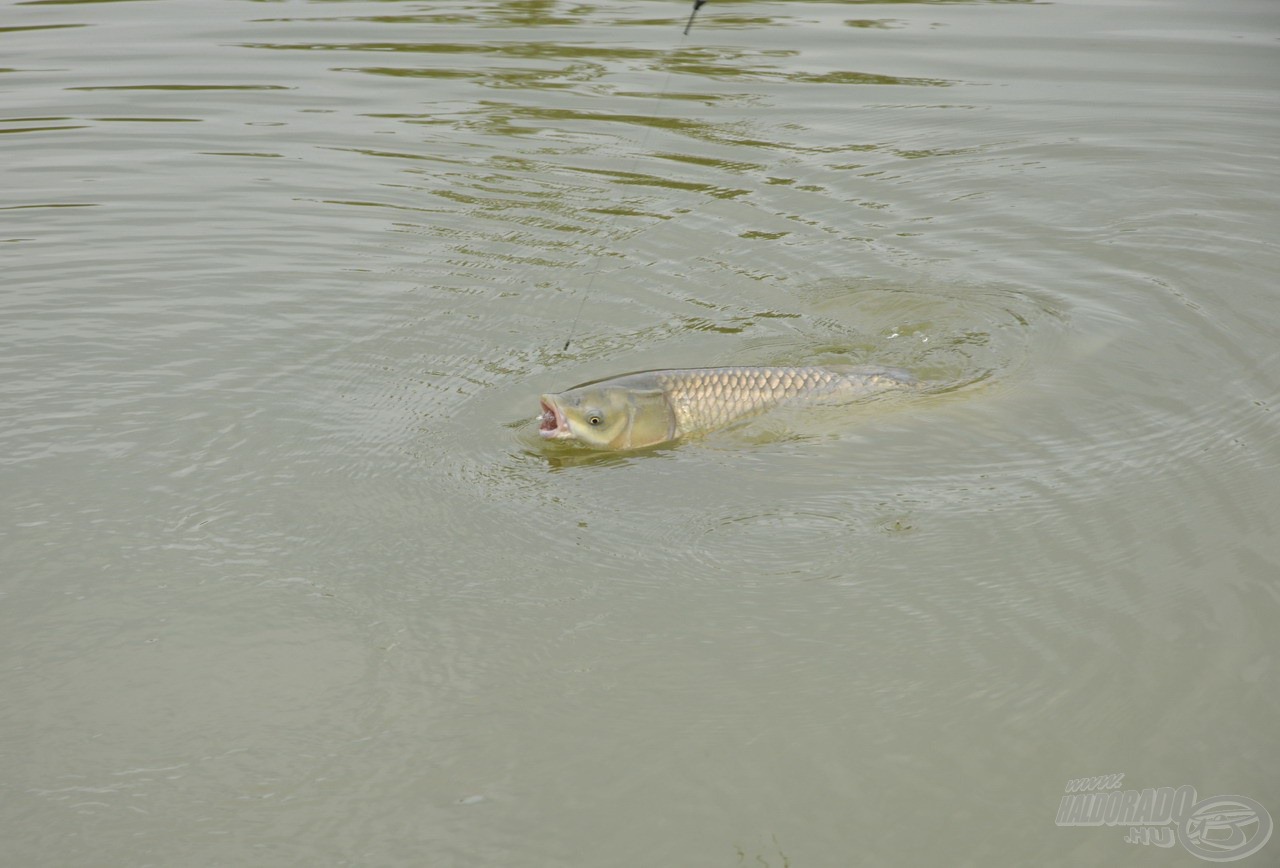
[[874, 375]]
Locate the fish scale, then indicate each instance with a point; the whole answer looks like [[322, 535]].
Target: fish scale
[[706, 399]]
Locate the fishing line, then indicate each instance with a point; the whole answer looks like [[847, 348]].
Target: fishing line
[[586, 293], [697, 4]]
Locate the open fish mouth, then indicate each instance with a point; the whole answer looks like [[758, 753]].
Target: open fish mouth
[[553, 425]]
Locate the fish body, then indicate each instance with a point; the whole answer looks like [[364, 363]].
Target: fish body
[[652, 407]]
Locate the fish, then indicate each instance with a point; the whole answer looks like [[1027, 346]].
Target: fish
[[650, 408]]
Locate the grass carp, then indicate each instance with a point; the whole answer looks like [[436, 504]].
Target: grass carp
[[652, 407]]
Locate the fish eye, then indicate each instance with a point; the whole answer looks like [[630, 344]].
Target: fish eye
[[594, 419]]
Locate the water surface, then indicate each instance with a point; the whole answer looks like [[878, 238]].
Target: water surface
[[289, 578]]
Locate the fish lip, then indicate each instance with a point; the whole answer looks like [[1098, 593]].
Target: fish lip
[[553, 425]]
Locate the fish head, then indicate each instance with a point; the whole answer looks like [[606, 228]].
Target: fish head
[[603, 416]]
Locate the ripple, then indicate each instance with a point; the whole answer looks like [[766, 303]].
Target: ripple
[[769, 544]]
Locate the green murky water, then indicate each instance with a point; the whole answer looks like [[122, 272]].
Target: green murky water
[[287, 577]]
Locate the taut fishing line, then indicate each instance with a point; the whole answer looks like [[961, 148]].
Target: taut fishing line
[[586, 293]]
